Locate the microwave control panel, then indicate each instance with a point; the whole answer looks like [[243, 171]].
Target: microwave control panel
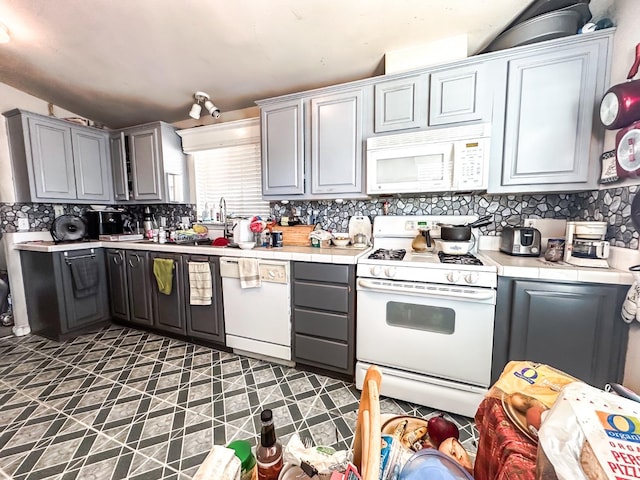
[[469, 169]]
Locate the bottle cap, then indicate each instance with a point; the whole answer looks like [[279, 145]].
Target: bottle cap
[[266, 415], [242, 449]]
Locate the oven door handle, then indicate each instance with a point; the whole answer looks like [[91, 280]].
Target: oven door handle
[[444, 291]]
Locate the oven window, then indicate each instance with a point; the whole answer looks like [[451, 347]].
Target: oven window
[[421, 317]]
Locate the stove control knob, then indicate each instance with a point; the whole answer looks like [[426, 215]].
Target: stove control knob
[[471, 278], [376, 270], [453, 276], [390, 272]]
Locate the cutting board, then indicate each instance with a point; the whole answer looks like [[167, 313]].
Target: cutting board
[[360, 224]]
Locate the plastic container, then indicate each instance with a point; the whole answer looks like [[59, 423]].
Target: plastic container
[[430, 464], [247, 460]]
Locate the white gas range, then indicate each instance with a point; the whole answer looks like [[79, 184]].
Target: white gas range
[[427, 324]]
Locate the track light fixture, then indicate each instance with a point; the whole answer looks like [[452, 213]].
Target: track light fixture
[[196, 108]]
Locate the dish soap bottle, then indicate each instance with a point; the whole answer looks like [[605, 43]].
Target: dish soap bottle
[[269, 451]]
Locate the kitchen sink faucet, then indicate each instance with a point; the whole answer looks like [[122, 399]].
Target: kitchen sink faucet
[[222, 205]]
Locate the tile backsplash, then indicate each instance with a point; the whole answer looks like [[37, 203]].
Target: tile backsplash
[[610, 205]]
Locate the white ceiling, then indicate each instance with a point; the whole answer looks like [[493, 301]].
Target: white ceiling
[[126, 62]]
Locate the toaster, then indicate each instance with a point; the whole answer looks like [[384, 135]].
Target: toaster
[[520, 241]]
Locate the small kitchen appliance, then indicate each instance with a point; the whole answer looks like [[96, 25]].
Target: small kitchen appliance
[[242, 231], [585, 244], [104, 222], [68, 228], [520, 241], [445, 159]]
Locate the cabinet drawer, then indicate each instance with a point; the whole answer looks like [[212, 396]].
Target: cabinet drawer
[[323, 297], [321, 272], [321, 352], [321, 324]]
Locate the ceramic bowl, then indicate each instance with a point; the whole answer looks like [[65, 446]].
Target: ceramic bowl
[[341, 242], [247, 245]]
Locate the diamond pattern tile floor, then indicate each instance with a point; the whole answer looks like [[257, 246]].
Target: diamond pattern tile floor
[[122, 403]]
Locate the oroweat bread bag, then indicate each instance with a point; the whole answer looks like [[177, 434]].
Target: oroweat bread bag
[[589, 434]]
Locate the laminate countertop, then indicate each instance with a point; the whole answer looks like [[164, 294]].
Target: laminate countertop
[[539, 268], [506, 265], [337, 255]]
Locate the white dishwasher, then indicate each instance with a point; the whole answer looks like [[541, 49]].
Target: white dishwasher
[[258, 320]]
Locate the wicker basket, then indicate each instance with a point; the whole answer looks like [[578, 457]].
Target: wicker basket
[[296, 236]]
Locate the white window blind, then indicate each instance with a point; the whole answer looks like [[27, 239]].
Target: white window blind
[[233, 173]]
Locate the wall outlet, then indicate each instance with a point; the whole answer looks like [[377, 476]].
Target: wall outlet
[[23, 224], [58, 210], [186, 221]]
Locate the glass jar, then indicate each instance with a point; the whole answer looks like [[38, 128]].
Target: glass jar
[[555, 250]]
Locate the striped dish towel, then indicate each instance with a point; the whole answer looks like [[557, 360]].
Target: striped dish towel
[[249, 272], [200, 290]]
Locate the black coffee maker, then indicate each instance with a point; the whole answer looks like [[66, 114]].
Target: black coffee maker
[[104, 222]]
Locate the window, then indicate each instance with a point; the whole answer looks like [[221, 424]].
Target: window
[[231, 172]]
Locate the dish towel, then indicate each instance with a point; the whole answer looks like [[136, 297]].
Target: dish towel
[[84, 275], [200, 291], [163, 271], [630, 307], [249, 271]]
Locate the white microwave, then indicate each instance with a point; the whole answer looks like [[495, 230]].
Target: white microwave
[[439, 160]]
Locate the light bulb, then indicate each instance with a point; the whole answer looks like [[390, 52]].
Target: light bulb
[[195, 111]]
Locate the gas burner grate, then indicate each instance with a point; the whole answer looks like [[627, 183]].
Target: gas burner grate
[[387, 254], [465, 259]]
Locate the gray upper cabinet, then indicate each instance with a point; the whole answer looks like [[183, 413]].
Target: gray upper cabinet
[[336, 143], [282, 151], [149, 165], [459, 94], [401, 103], [544, 137], [312, 144], [54, 160], [121, 175], [91, 165]]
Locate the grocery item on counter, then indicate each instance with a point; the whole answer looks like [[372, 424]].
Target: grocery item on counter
[[269, 450]]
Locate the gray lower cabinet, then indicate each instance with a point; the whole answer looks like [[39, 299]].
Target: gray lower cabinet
[[575, 327], [55, 160], [169, 310], [149, 165], [205, 322], [401, 103], [324, 316], [58, 304], [118, 284], [544, 137], [139, 287], [136, 299]]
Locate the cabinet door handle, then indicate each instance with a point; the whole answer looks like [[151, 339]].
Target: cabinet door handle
[[137, 260], [118, 259]]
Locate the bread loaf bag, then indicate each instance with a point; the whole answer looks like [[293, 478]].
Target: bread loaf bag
[[589, 434]]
